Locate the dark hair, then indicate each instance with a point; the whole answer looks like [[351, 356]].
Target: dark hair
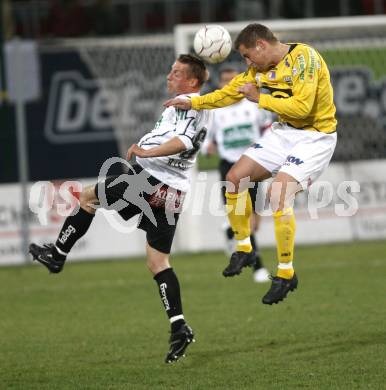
[[250, 34], [196, 66]]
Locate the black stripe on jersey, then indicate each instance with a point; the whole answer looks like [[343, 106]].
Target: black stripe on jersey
[[292, 46], [149, 144], [308, 128], [188, 124], [159, 135], [156, 135], [278, 92]]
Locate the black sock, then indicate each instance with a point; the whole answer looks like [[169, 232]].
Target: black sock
[[74, 227], [229, 233], [169, 290], [253, 242]]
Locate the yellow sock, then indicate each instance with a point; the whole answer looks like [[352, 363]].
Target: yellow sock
[[285, 227], [239, 208]]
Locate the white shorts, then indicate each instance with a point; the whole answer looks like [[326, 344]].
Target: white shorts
[[302, 154]]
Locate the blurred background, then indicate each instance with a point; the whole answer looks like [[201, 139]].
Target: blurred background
[[77, 18], [82, 80]]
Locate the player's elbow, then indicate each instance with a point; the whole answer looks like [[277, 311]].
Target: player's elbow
[[303, 110]]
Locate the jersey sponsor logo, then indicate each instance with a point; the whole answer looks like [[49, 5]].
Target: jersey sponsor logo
[[311, 68], [167, 198], [302, 66], [237, 143], [272, 75], [67, 233], [257, 146], [164, 299], [181, 114], [172, 162], [287, 79], [239, 136], [293, 160]]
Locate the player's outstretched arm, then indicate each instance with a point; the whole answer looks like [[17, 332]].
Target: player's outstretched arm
[[173, 146], [250, 91]]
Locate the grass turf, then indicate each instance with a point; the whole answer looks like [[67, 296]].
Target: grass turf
[[100, 325]]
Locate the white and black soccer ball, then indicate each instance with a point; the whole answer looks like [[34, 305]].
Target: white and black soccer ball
[[212, 43]]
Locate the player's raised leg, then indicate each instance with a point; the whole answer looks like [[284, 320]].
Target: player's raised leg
[[239, 206], [169, 289], [282, 192], [74, 227]]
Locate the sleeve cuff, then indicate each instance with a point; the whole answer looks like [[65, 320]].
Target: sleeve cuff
[[186, 141], [195, 100]]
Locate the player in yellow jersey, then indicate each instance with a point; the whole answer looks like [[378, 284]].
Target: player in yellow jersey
[[293, 81]]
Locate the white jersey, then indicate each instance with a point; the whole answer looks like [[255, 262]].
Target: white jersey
[[236, 127], [191, 128]]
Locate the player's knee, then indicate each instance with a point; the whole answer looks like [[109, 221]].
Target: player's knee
[[281, 195], [152, 267], [276, 200], [87, 199], [233, 180], [157, 264]]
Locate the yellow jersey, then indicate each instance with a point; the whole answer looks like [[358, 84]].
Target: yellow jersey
[[298, 89]]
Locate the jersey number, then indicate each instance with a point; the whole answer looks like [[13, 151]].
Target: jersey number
[[197, 141]]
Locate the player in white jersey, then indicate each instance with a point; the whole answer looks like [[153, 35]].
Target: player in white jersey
[[155, 189], [233, 129], [190, 127]]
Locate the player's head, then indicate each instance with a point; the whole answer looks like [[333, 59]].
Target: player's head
[[187, 75], [226, 74], [256, 45]]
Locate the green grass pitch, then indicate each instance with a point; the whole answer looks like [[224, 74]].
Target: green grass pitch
[[100, 325]]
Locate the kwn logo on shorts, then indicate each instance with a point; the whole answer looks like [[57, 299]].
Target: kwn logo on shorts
[[294, 160]]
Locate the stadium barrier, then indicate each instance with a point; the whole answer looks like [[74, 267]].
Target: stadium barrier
[[347, 203]]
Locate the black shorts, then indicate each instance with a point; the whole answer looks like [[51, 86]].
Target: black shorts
[[224, 168], [153, 207]]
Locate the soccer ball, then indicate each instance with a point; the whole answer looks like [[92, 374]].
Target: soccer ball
[[212, 43]]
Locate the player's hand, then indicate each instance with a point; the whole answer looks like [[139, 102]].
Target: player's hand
[[183, 104], [250, 91], [135, 150]]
